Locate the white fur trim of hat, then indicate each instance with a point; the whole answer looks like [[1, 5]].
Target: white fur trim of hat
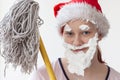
[[82, 11]]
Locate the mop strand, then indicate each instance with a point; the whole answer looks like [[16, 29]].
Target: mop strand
[[19, 35]]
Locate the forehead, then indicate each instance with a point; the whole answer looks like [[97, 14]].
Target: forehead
[[79, 23]]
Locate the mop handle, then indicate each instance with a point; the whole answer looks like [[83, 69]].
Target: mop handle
[[46, 61]]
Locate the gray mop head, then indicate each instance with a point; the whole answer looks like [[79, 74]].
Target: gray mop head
[[19, 35]]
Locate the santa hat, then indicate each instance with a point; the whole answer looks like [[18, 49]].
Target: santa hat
[[89, 10]]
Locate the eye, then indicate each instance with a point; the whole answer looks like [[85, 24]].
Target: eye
[[86, 32], [69, 33]]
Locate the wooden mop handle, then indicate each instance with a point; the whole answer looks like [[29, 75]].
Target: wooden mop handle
[[46, 61]]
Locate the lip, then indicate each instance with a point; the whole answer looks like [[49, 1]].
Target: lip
[[78, 50]]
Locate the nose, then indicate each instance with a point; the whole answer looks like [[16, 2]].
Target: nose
[[77, 41]]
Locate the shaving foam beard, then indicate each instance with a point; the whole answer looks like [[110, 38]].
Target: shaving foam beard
[[78, 62]]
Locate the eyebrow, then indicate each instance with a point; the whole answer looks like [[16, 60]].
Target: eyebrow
[[67, 28], [84, 27]]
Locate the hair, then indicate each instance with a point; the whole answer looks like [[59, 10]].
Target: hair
[[99, 56], [20, 35]]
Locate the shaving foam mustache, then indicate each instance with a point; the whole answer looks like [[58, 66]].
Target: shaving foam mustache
[[73, 47]]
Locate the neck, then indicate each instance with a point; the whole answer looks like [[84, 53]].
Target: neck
[[95, 65]]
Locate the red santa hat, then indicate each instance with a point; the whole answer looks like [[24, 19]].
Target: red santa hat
[[89, 10]]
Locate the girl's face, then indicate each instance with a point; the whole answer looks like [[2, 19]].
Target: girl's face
[[79, 32]]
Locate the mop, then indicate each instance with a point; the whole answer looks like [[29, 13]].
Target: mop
[[20, 41]]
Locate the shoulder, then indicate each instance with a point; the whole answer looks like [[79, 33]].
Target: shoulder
[[42, 74], [43, 69], [114, 75]]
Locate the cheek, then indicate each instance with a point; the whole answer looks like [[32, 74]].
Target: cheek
[[85, 40], [66, 39]]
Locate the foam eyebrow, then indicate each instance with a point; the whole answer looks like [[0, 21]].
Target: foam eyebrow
[[67, 28], [84, 27]]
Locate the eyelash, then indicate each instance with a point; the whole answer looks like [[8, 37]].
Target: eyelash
[[69, 33], [86, 32]]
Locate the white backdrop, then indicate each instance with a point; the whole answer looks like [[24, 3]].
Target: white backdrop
[[53, 42]]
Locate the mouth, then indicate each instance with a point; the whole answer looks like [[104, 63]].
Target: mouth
[[79, 50]]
